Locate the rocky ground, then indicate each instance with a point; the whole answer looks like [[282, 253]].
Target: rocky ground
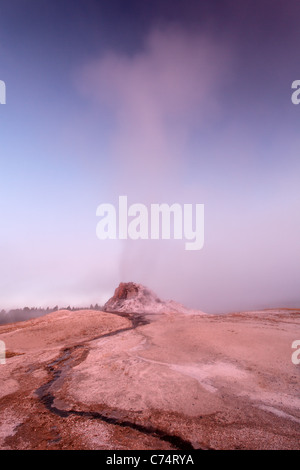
[[99, 380]]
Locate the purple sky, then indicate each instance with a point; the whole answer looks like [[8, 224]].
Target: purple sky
[[163, 101]]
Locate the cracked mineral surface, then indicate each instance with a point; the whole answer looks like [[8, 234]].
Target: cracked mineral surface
[[97, 380]]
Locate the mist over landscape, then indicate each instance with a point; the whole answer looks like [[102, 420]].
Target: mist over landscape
[[171, 104], [150, 227]]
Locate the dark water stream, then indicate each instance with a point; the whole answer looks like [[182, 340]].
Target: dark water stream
[[59, 368]]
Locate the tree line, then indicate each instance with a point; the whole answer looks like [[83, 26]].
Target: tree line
[[26, 313]]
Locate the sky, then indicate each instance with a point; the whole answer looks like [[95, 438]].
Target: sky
[[165, 102]]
